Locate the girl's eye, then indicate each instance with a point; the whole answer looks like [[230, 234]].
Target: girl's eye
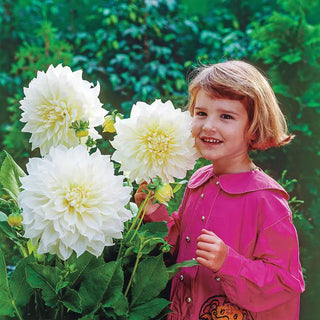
[[226, 116], [200, 114]]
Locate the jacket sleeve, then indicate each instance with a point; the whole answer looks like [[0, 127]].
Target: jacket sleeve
[[173, 222], [272, 276]]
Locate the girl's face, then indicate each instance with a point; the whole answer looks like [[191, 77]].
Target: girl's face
[[220, 129]]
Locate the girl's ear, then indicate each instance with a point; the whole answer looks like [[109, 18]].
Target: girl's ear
[[251, 139]]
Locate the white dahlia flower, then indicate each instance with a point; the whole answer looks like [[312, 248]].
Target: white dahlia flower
[[53, 101], [72, 201], [155, 141]]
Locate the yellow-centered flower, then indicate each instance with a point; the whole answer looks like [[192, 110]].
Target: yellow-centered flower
[[155, 141], [163, 193], [72, 201], [53, 101]]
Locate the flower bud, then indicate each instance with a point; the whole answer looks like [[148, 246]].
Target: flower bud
[[108, 125], [165, 248], [15, 220], [163, 193], [82, 133]]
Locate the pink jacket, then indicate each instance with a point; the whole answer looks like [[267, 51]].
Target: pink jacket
[[261, 277]]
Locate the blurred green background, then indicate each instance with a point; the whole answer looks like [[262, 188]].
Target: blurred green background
[[146, 49]]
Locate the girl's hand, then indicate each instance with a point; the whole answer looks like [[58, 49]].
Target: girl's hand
[[211, 250], [140, 196]]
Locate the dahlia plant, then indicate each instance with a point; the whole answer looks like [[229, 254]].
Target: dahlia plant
[[85, 252]]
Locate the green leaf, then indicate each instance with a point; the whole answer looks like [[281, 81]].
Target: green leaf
[[103, 283], [20, 288], [6, 307], [177, 188], [154, 229], [150, 244], [71, 300], [61, 284], [150, 279], [3, 216], [9, 231], [89, 317], [174, 269], [9, 176], [148, 310], [80, 265], [121, 306], [114, 283], [45, 278]]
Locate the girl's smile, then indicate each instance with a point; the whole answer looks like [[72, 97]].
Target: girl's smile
[[220, 130]]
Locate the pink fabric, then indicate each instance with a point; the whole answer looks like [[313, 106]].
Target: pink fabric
[[261, 277]]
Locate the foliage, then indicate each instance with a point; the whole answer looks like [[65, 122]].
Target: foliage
[[122, 283], [289, 50]]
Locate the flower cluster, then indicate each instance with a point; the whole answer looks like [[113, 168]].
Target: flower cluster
[[72, 201], [72, 205]]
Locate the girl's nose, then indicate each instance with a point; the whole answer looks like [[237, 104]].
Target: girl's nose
[[209, 126]]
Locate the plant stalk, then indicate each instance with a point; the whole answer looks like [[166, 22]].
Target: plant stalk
[[143, 207], [147, 200], [139, 255], [16, 310]]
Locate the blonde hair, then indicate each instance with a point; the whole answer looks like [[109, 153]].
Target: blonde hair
[[238, 80]]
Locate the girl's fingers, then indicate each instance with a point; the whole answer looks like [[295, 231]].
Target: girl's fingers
[[205, 246], [142, 186], [140, 195], [205, 231], [203, 254], [202, 261], [209, 233], [206, 238]]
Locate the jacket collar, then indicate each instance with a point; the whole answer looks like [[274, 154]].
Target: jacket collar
[[237, 183]]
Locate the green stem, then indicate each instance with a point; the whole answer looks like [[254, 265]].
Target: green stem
[[143, 214], [120, 251], [16, 310], [23, 250], [59, 313], [139, 255], [143, 206]]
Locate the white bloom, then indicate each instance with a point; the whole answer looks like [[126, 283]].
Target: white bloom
[[53, 101], [73, 201], [155, 141]]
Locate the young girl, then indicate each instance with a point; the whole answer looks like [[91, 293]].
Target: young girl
[[234, 219]]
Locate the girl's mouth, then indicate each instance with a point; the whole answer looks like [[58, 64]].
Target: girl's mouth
[[211, 140]]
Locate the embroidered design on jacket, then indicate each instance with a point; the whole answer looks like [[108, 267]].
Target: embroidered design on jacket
[[219, 307]]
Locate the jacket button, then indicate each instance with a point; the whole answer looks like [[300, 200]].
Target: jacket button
[[188, 239], [203, 218], [202, 195], [181, 277], [217, 182], [218, 278], [188, 300]]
